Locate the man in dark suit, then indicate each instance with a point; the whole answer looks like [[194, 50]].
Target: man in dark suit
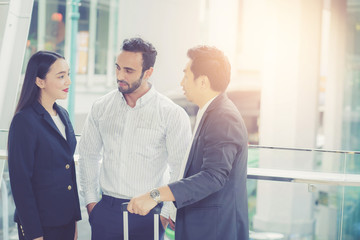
[[211, 198]]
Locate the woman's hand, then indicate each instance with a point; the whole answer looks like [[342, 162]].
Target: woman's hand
[[76, 232]]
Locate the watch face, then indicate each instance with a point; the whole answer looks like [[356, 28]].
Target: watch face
[[154, 193]]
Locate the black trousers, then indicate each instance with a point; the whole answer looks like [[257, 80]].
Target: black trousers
[[65, 232], [106, 220]]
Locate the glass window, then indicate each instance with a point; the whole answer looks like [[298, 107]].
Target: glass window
[[47, 28], [102, 33], [55, 26], [83, 38], [47, 32]]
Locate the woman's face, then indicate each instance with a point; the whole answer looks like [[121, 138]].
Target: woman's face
[[56, 83]]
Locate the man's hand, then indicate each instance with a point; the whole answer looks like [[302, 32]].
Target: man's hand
[[172, 224], [39, 238], [141, 205], [164, 221], [167, 221], [90, 207]]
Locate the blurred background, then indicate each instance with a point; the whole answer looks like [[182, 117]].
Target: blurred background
[[295, 80]]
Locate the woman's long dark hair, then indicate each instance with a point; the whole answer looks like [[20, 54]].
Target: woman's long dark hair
[[38, 66]]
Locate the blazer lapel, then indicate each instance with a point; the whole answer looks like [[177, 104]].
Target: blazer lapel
[[63, 119], [212, 106], [68, 128], [45, 115], [194, 144]]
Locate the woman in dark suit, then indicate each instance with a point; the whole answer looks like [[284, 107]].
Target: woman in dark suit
[[41, 145]]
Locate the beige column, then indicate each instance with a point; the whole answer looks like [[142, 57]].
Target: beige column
[[289, 111], [334, 74], [12, 49]]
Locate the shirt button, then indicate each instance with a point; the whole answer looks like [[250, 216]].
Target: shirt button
[[69, 187], [67, 166]]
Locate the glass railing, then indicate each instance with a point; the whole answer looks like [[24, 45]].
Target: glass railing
[[6, 203], [293, 194], [303, 194]]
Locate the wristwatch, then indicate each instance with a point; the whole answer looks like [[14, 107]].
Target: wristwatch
[[155, 194]]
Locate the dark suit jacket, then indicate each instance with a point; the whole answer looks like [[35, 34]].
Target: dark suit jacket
[[42, 170], [212, 197]]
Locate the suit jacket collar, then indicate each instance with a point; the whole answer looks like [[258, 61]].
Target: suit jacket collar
[[39, 109], [214, 105], [217, 101]]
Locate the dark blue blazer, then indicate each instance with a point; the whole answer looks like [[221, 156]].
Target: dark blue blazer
[[212, 197], [42, 170]]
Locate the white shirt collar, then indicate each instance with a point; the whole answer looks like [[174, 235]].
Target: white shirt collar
[[203, 109], [201, 112], [144, 99]]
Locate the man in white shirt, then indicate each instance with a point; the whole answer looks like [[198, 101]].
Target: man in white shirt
[[211, 198], [131, 136]]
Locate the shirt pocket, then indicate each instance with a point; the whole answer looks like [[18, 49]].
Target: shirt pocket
[[148, 139]]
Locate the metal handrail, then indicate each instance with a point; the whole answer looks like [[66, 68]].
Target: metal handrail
[[276, 147], [6, 130], [283, 175], [303, 149]]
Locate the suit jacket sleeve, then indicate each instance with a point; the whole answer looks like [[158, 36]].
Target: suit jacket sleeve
[[220, 140], [22, 147]]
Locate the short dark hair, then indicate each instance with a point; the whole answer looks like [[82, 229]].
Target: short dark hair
[[38, 66], [211, 62], [147, 49]]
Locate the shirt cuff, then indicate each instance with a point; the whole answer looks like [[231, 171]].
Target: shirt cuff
[[90, 198], [169, 210], [165, 210]]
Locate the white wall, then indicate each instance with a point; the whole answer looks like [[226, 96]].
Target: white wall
[[174, 27], [289, 111]]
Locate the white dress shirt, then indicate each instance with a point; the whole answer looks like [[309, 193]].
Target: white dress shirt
[[59, 124], [136, 145]]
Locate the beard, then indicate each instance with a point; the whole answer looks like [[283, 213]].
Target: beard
[[130, 89]]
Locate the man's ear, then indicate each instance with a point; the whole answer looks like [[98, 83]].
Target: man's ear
[[204, 81], [40, 82], [148, 73]]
